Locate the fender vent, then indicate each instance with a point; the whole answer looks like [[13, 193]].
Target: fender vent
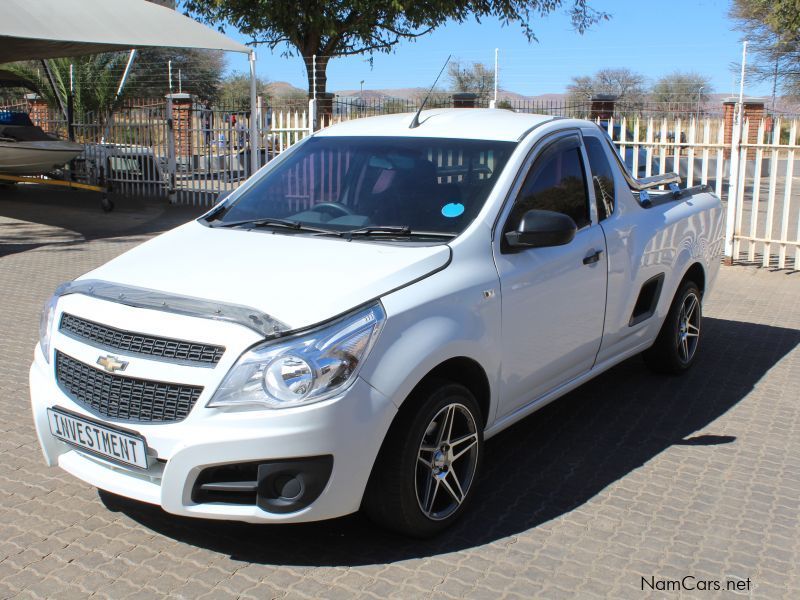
[[648, 300]]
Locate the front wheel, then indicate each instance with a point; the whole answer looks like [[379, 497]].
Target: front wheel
[[426, 472], [676, 346]]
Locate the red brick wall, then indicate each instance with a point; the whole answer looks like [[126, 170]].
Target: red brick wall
[[39, 112], [182, 121], [754, 111]]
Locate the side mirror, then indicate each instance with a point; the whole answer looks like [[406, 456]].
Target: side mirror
[[542, 228]]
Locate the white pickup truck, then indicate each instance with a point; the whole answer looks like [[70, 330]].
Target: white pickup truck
[[345, 330]]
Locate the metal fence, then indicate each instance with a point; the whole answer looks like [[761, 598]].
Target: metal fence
[[755, 177], [764, 209], [191, 153], [184, 151]]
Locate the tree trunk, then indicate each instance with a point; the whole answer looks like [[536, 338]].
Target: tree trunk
[[316, 72], [321, 74]]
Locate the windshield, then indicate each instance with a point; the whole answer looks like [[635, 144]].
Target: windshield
[[351, 183]]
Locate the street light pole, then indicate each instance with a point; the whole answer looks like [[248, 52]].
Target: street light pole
[[699, 96]]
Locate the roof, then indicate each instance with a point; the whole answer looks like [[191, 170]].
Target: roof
[[32, 29], [464, 123]]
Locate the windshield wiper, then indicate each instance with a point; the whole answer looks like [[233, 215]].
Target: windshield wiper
[[273, 222], [387, 231]]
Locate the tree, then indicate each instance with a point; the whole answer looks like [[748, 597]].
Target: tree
[[200, 73], [681, 92], [477, 79], [772, 29], [234, 90], [626, 85], [332, 28], [95, 79]]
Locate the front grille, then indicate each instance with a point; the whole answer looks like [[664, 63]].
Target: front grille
[[121, 397], [138, 343]]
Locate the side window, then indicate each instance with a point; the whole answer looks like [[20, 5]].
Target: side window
[[556, 182], [602, 177]]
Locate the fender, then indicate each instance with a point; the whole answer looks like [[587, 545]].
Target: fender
[[425, 329], [697, 239]]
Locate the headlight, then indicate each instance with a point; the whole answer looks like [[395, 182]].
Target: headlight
[[46, 325], [304, 369]]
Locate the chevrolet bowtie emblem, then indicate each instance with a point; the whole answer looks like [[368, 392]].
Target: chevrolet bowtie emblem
[[111, 363]]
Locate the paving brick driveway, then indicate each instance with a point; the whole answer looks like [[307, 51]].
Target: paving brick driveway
[[631, 476]]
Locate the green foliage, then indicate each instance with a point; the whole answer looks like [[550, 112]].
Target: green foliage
[[680, 91], [332, 28], [772, 29], [235, 90], [95, 79], [200, 72]]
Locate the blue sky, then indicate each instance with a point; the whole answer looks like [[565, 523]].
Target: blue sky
[[652, 38]]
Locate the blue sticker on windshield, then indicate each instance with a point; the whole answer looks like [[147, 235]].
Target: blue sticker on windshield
[[454, 209]]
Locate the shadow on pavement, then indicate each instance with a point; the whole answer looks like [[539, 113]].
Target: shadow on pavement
[[541, 468], [79, 213]]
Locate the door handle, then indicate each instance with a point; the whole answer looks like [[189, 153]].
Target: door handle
[[592, 258]]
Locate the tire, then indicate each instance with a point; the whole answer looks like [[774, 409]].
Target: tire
[[675, 348], [418, 474]]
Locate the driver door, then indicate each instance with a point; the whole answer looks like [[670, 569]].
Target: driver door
[[553, 298]]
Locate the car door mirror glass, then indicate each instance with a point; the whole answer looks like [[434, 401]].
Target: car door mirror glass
[[542, 228]]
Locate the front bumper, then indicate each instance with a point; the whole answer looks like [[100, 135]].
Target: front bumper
[[349, 428]]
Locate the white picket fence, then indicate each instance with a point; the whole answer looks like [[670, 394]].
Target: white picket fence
[[287, 128], [765, 210], [762, 200], [754, 177]]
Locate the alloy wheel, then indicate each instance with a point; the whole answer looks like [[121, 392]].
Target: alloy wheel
[[446, 461], [688, 333]]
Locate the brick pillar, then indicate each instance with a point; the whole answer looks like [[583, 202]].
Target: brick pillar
[[38, 110], [182, 122], [465, 100], [602, 106], [728, 113], [753, 110]]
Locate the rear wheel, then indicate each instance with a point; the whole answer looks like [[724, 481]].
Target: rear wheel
[[426, 472], [676, 346]]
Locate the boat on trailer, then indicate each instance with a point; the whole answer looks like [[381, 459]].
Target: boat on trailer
[[26, 149]]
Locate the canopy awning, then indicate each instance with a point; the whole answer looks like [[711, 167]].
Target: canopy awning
[[35, 29]]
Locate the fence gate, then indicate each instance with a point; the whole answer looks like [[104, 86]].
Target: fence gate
[[766, 217], [763, 198]]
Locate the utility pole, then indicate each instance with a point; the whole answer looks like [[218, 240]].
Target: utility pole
[[169, 73], [312, 104], [493, 103], [71, 110], [774, 85], [255, 152], [699, 96], [733, 187]]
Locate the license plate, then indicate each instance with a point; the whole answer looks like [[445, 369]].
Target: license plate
[[98, 439]]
